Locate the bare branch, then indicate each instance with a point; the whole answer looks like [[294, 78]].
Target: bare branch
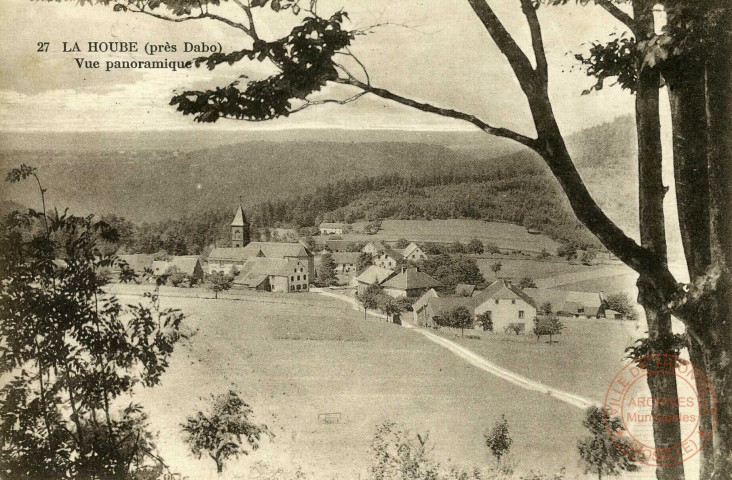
[[616, 12], [537, 43], [444, 112], [202, 16]]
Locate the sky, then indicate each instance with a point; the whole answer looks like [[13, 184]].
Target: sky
[[429, 50]]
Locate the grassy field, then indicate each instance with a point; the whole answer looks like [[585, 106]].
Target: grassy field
[[505, 235], [515, 269], [296, 356]]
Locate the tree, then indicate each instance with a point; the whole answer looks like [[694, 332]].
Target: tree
[[547, 325], [365, 260], [327, 270], [459, 317], [73, 354], [369, 298], [219, 282], [601, 454], [450, 270], [475, 246], [372, 228], [498, 440], [546, 309], [567, 251], [526, 282], [620, 302], [588, 256], [694, 40], [492, 248], [219, 433], [401, 244], [309, 242], [496, 267], [486, 321], [389, 305], [456, 247]]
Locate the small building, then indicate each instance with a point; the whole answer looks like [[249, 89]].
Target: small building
[[139, 263], [410, 283], [346, 262], [273, 275], [372, 275], [419, 307], [464, 290], [230, 260], [614, 315], [374, 248], [569, 303], [413, 253], [389, 258], [333, 228], [189, 265], [441, 307], [507, 306]]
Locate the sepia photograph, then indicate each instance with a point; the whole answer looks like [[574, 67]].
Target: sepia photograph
[[365, 240]]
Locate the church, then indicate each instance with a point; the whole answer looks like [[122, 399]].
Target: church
[[270, 266]]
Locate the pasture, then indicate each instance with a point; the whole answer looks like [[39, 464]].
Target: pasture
[[505, 235], [295, 357]]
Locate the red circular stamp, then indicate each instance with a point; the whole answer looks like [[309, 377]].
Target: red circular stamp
[[629, 400]]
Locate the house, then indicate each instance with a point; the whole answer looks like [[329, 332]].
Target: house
[[329, 228], [507, 306], [137, 262], [410, 283], [228, 260], [464, 290], [612, 314], [372, 275], [273, 275], [419, 307], [374, 248], [189, 265], [441, 307], [388, 258], [569, 303], [413, 253], [346, 262]]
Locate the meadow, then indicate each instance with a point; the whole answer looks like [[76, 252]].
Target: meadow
[[297, 356], [505, 235]]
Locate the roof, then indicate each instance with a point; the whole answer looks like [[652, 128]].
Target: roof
[[251, 281], [390, 252], [333, 225], [411, 279], [501, 289], [259, 249], [374, 274], [410, 249], [185, 264], [565, 300], [442, 305], [464, 290], [378, 246], [422, 301], [276, 267], [240, 219], [341, 258], [138, 262]]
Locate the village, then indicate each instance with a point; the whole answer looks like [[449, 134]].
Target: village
[[381, 276]]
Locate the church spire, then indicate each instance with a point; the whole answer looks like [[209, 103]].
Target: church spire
[[239, 229]]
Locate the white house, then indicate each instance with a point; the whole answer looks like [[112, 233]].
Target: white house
[[227, 260], [332, 228], [374, 248], [372, 275], [413, 253], [388, 258], [507, 307], [273, 275]]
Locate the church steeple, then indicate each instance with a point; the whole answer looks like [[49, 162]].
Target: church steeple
[[239, 229]]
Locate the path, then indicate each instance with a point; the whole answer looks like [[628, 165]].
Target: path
[[480, 362]]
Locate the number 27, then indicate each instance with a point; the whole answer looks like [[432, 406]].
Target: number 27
[[43, 46]]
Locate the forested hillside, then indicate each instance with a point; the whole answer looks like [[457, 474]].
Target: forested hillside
[[182, 201]]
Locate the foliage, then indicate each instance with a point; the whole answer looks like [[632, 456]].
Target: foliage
[[496, 267], [545, 308], [392, 306], [499, 440], [220, 432], [588, 256], [486, 321], [544, 254], [548, 325], [372, 228], [73, 351], [365, 260], [567, 250], [621, 302], [219, 282], [475, 246], [526, 282], [601, 454], [369, 298], [450, 270], [401, 244], [614, 59], [459, 317], [327, 270], [400, 455]]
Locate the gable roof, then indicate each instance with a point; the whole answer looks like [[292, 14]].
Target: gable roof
[[464, 290], [378, 246], [341, 258], [137, 262], [374, 274], [411, 279], [276, 267], [501, 289], [183, 263], [240, 219], [424, 299], [333, 225], [410, 249], [567, 300], [443, 305], [390, 252], [259, 249]]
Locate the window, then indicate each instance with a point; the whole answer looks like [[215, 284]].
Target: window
[[292, 288], [292, 279], [496, 301], [521, 314], [513, 302], [298, 287], [304, 277], [298, 277]]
